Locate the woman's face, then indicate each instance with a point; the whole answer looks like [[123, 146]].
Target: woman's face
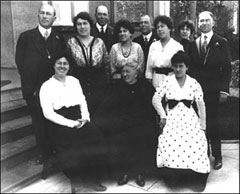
[[163, 31], [185, 33], [83, 27], [124, 34], [179, 69], [61, 67], [129, 74]]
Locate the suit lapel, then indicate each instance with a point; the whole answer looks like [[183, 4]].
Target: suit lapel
[[210, 47], [198, 44], [37, 40]]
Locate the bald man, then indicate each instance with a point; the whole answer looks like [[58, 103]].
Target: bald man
[[34, 51], [147, 35], [101, 28], [211, 66]]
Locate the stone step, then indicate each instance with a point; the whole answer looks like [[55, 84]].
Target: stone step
[[17, 152], [20, 176], [15, 129], [11, 99], [14, 114]]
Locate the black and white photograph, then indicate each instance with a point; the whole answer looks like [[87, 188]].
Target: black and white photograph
[[120, 96]]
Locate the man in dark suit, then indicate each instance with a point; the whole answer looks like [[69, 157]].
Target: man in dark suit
[[211, 66], [102, 29], [34, 51], [147, 36]]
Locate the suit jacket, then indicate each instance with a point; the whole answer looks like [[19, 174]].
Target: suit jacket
[[109, 38], [214, 70], [33, 58], [139, 39]]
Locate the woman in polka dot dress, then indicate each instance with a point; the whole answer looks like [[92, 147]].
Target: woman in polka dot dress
[[182, 144]]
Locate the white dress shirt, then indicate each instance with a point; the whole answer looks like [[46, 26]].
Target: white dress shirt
[[43, 30]]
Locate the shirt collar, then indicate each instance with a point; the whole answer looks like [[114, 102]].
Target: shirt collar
[[43, 30], [209, 36], [100, 27], [148, 36]]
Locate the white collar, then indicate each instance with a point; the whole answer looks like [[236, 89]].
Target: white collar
[[100, 27], [209, 36], [148, 36], [42, 30]]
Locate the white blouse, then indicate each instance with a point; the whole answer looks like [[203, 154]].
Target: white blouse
[[159, 57], [54, 95]]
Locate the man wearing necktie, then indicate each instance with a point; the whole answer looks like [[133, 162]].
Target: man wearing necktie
[[147, 35], [211, 66], [34, 51], [102, 29]]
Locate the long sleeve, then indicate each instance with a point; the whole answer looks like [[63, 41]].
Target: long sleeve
[[226, 67], [54, 96], [113, 61], [140, 58], [202, 113], [20, 52], [157, 100], [200, 105], [149, 66]]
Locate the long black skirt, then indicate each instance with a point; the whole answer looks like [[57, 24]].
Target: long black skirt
[[77, 149]]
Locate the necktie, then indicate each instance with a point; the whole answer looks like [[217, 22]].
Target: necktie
[[146, 40], [46, 35], [102, 32], [204, 46]]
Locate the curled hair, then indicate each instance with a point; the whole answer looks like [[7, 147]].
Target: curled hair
[[181, 57], [84, 16], [188, 23], [165, 20], [125, 24]]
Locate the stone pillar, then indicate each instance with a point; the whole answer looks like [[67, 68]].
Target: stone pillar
[[7, 40]]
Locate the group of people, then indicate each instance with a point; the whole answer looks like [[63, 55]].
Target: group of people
[[103, 102]]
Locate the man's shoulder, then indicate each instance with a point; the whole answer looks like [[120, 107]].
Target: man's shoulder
[[138, 38], [30, 31]]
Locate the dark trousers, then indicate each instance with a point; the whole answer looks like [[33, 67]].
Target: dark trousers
[[213, 131], [39, 126]]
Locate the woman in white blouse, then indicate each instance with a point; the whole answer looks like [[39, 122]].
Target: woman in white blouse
[[75, 138], [161, 52]]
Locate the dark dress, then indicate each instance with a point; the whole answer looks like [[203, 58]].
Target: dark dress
[[127, 121], [78, 151], [92, 70]]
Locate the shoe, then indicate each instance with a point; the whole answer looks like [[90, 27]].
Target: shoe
[[217, 164], [123, 180], [140, 181], [99, 187]]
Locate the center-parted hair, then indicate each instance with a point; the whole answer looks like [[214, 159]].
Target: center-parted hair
[[62, 53], [84, 16], [181, 57], [165, 20]]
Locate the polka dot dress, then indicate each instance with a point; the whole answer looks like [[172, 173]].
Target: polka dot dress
[[182, 144]]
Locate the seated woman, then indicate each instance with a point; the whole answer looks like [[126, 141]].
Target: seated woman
[[182, 146], [127, 120], [77, 141]]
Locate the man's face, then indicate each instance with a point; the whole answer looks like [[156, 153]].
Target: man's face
[[102, 16], [145, 25], [205, 22], [46, 16]]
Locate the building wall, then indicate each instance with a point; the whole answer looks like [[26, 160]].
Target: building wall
[[7, 41]]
